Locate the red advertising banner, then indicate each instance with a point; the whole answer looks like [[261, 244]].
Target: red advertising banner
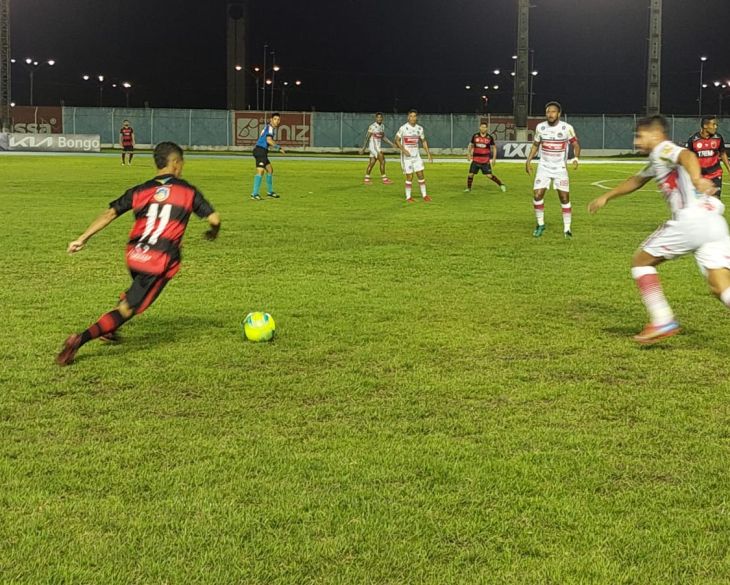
[[295, 128], [36, 120]]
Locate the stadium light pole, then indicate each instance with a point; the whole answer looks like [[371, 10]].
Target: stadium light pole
[[127, 87], [274, 70], [703, 58], [31, 65], [533, 74], [263, 73]]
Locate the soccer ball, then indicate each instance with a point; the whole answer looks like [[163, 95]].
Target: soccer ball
[[258, 326]]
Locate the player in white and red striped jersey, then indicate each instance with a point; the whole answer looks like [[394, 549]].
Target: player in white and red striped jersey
[[553, 138], [373, 142], [697, 225], [408, 140]]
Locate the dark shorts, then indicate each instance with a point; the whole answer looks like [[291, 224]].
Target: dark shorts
[[146, 288], [485, 168], [262, 157], [718, 183], [128, 148]]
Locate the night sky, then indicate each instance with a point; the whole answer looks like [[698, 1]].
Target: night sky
[[378, 55]]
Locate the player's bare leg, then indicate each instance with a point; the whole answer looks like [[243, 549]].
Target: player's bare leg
[[257, 180], [371, 166], [567, 210], [719, 281], [270, 182], [662, 322], [499, 183], [422, 186], [538, 203], [409, 187], [383, 176]]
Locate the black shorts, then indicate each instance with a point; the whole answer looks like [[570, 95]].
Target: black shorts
[[146, 288], [128, 148], [718, 183], [262, 157], [475, 167]]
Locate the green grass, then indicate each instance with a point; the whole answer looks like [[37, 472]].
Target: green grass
[[449, 400]]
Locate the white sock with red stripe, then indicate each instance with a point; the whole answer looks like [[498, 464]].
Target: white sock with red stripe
[[567, 215], [539, 211], [647, 279], [725, 297], [409, 186], [422, 185]]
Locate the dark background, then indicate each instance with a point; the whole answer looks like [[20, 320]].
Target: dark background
[[379, 55]]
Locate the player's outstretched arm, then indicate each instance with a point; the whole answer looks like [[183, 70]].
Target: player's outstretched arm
[[103, 220], [389, 141], [628, 186], [214, 221], [691, 164]]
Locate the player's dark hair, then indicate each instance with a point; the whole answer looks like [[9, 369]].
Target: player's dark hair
[[483, 124], [276, 115], [556, 104], [378, 113], [412, 112], [163, 151], [123, 121], [656, 121], [707, 119]]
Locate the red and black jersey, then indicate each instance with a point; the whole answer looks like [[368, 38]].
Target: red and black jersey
[[708, 150], [162, 208], [127, 135], [482, 152]]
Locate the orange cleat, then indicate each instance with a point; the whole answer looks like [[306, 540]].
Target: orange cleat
[[654, 333]]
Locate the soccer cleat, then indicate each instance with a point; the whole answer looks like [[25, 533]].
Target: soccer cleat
[[568, 235], [409, 200], [368, 181], [653, 333], [538, 231], [272, 195], [68, 352], [503, 188], [387, 181], [467, 190], [426, 198], [256, 197]]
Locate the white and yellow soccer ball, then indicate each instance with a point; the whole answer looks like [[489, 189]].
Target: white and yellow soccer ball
[[259, 326]]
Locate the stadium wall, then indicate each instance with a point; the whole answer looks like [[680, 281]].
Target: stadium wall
[[338, 131]]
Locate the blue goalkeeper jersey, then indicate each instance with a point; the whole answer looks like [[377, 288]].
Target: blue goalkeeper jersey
[[269, 130]]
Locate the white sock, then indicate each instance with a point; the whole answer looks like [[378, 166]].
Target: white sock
[[422, 185], [539, 211], [647, 279], [409, 185], [567, 215]]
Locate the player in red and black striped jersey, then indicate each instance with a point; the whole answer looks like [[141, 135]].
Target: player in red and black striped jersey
[[481, 153], [126, 141], [162, 208], [709, 146]]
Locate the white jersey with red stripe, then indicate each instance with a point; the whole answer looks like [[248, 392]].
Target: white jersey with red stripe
[[409, 136], [675, 182], [376, 131], [554, 141]]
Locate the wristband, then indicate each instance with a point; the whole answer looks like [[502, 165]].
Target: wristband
[[575, 159]]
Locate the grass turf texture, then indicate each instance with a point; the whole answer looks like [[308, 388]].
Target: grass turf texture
[[448, 399]]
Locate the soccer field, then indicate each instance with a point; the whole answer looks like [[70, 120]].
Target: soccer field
[[448, 400]]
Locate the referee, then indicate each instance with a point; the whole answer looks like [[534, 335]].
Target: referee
[[261, 154]]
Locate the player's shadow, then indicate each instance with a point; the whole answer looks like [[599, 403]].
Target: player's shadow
[[155, 334]]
